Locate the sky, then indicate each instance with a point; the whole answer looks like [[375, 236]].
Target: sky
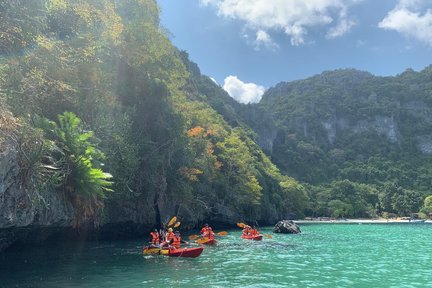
[[248, 46]]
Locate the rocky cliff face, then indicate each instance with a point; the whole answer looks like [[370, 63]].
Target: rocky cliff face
[[24, 208], [263, 125], [322, 108], [29, 214], [382, 125]]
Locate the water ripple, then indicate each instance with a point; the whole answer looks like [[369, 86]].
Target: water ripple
[[323, 256]]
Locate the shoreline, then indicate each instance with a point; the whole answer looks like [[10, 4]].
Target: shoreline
[[361, 221]]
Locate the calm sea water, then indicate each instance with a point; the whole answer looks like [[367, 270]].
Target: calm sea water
[[325, 255]]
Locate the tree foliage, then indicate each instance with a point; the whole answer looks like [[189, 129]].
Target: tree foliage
[[348, 126], [109, 67]]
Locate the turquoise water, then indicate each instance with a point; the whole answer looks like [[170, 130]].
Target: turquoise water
[[324, 255]]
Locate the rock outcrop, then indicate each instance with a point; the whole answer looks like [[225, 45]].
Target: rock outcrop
[[286, 227], [26, 211]]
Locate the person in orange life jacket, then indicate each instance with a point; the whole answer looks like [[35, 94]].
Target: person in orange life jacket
[[246, 230], [204, 230], [254, 231], [168, 237], [176, 241], [210, 233], [207, 232], [155, 238]]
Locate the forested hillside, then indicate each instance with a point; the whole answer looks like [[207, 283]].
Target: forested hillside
[[103, 122], [362, 142], [107, 122]]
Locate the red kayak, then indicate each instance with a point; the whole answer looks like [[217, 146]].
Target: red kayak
[[186, 252], [252, 237], [175, 252]]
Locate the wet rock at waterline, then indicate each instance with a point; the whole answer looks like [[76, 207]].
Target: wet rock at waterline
[[286, 227]]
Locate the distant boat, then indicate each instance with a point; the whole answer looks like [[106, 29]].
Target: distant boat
[[417, 221]]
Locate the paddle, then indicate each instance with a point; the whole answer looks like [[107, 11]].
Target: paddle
[[177, 224], [193, 237], [203, 240], [268, 236], [172, 221], [221, 233]]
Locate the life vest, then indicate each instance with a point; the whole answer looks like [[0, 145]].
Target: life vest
[[207, 232], [210, 233], [204, 231], [176, 241], [155, 237], [246, 231], [254, 232], [170, 236]]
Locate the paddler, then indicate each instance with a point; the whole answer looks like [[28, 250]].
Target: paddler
[[204, 230], [210, 233], [155, 238], [176, 241], [246, 230], [207, 232], [169, 238], [254, 231]]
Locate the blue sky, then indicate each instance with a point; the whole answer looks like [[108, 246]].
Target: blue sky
[[248, 46]]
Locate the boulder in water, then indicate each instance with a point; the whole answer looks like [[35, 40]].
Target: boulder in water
[[287, 227]]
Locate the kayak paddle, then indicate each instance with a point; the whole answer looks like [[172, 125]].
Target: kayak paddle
[[268, 236], [172, 221], [203, 240], [193, 237], [222, 233]]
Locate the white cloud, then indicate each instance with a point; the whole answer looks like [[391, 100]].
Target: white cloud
[[264, 39], [408, 19], [243, 92], [343, 27], [294, 18], [361, 43]]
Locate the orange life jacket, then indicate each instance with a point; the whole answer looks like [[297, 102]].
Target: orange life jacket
[[203, 230], [210, 233], [176, 241], [254, 232], [207, 232], [246, 231], [169, 236], [155, 237]]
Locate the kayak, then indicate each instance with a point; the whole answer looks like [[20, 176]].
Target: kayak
[[151, 250], [207, 241], [252, 237], [185, 252], [174, 252]]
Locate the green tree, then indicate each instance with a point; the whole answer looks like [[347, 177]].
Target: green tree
[[427, 205], [74, 153], [339, 208]]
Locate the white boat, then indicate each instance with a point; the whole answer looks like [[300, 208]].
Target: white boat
[[417, 221]]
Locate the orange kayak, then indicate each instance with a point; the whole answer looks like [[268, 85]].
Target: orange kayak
[[207, 241], [174, 252], [252, 237], [210, 242]]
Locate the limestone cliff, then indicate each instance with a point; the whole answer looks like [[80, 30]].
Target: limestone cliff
[[24, 207]]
